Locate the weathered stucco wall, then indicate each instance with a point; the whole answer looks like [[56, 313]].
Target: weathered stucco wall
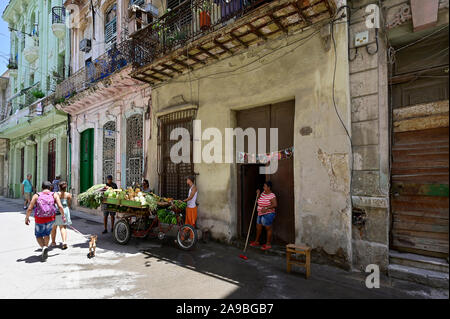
[[279, 70], [370, 126]]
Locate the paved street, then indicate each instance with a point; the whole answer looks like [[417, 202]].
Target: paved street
[[154, 269]]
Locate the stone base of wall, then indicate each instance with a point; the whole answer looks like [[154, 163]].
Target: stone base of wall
[[366, 253]]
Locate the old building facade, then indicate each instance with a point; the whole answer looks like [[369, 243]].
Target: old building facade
[[5, 89], [399, 99], [35, 128], [357, 90], [108, 109], [336, 193]]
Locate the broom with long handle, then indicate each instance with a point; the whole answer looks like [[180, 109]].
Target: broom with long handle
[[248, 233]]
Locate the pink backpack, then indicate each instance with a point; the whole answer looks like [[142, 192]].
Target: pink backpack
[[45, 206]]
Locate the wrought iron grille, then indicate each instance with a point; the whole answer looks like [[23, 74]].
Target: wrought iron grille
[[109, 148], [184, 22], [135, 147], [58, 15], [173, 175], [113, 60]]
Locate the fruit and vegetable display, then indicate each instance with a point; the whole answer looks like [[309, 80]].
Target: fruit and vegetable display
[[179, 205], [93, 197], [117, 199], [166, 216]]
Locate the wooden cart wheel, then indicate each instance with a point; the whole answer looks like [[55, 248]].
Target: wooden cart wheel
[[187, 237], [122, 232]]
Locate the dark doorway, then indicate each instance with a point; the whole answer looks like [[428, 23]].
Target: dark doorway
[[280, 116], [35, 165], [86, 159], [22, 164], [51, 160]]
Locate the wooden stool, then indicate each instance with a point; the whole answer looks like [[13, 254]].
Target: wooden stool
[[301, 250]]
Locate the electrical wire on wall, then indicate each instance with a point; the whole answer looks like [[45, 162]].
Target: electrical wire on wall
[[334, 98]]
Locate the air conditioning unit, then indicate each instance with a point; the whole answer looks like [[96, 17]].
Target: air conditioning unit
[[85, 45]]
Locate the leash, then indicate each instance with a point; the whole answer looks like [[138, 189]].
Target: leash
[[76, 230]]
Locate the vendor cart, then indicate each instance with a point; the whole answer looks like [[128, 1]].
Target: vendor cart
[[134, 219]]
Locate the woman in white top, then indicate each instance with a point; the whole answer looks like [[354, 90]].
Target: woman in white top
[[191, 209]]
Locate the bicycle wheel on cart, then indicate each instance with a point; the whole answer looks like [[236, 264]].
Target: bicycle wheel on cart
[[186, 237], [122, 232]]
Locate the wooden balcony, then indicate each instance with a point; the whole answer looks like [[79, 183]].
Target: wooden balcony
[[186, 38]]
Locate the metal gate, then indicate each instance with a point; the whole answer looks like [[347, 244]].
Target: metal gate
[[109, 149], [134, 149], [172, 176]]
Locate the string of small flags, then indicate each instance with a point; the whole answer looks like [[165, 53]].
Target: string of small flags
[[265, 158]]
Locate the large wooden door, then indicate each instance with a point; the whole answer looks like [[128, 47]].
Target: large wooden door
[[86, 159], [280, 116], [420, 152]]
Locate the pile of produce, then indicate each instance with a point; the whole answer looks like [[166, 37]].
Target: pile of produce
[[93, 197], [179, 205], [151, 202], [166, 216]]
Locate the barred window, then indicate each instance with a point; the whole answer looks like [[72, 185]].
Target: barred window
[[135, 149], [109, 149]]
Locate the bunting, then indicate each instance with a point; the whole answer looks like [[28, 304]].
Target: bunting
[[286, 153]]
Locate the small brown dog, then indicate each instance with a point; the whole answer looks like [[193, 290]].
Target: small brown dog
[[92, 246]]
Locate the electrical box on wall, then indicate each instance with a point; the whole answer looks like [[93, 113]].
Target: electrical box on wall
[[361, 38]]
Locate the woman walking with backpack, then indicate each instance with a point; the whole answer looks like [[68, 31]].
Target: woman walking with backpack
[[66, 201], [44, 215]]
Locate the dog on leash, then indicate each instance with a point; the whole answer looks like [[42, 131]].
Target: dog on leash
[[92, 246]]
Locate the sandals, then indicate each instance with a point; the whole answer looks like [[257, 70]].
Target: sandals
[[64, 246], [266, 247], [254, 244]]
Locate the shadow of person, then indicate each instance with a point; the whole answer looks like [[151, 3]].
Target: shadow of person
[[33, 259]]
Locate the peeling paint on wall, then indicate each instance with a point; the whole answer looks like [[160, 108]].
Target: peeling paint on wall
[[337, 169]]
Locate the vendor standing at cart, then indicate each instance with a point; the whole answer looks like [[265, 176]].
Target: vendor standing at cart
[[146, 187], [191, 208], [109, 183]]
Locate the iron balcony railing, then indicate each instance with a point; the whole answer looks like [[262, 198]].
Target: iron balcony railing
[[102, 67], [188, 21], [58, 15]]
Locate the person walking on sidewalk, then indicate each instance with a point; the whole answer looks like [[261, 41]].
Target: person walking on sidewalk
[[27, 191], [109, 183], [55, 184], [44, 215], [66, 201]]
